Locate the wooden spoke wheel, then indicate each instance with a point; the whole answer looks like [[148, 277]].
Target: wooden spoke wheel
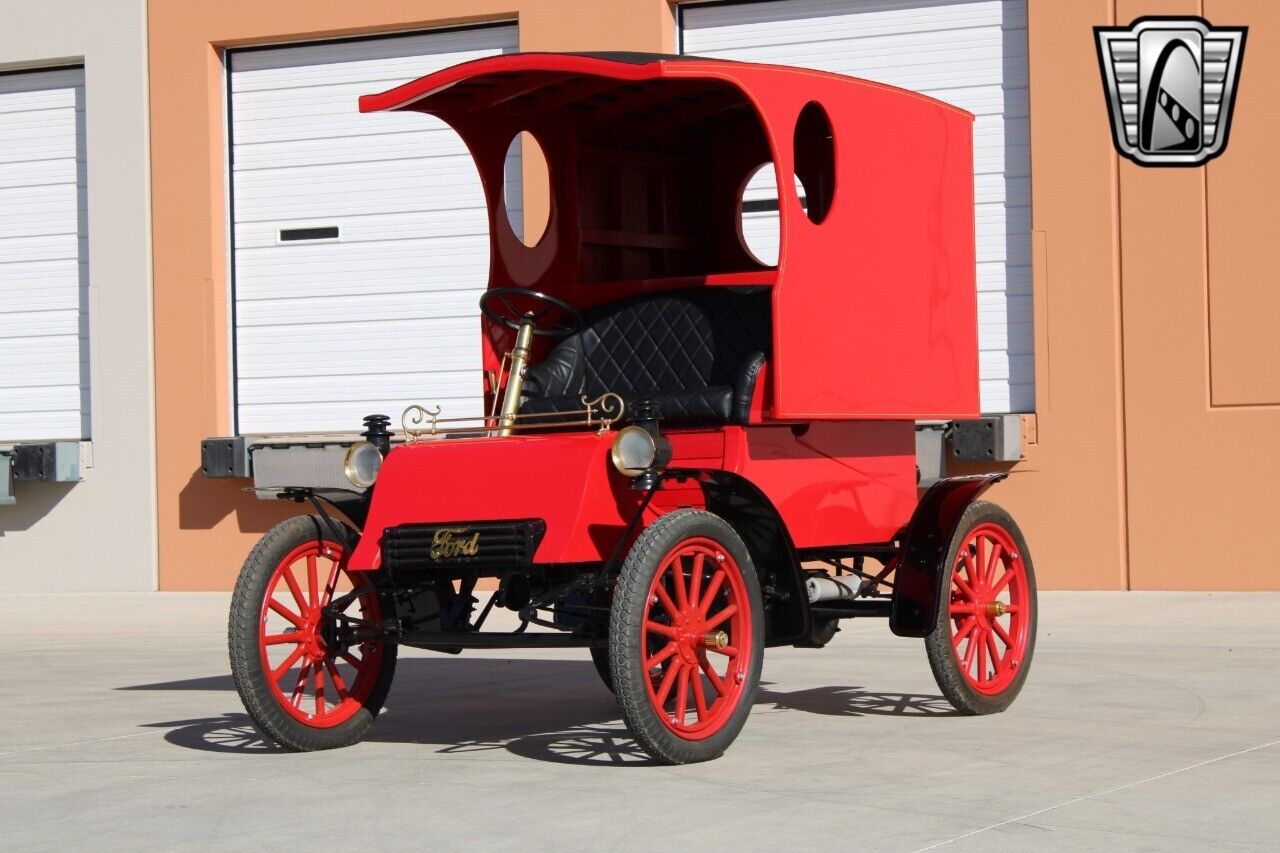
[[686, 637], [981, 649], [303, 688]]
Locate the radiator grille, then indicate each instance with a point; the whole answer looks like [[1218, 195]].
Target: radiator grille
[[478, 545]]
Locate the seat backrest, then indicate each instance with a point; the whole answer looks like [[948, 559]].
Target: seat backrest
[[671, 342]]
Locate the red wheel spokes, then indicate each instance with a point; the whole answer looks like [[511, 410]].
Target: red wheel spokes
[[667, 651], [330, 585], [317, 685], [713, 588], [971, 568], [664, 630], [988, 609], [682, 690], [699, 696], [714, 677], [695, 580], [300, 687], [692, 695], [298, 597], [313, 580], [668, 681], [1002, 634], [338, 684], [667, 603], [1002, 583], [720, 617], [285, 612], [279, 672], [967, 662]]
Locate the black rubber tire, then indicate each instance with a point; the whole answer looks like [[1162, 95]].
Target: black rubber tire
[[246, 664], [600, 657], [942, 659], [625, 636]]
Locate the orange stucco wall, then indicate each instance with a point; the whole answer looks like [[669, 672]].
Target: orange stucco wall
[[1202, 355], [1155, 356]]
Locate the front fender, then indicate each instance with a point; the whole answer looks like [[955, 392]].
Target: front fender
[[922, 561], [754, 517]]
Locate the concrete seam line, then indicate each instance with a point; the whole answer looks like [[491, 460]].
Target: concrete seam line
[[74, 743], [1098, 794]]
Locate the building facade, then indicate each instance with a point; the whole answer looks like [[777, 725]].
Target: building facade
[[77, 431], [312, 265]]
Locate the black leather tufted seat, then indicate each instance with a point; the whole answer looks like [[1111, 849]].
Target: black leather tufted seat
[[696, 353]]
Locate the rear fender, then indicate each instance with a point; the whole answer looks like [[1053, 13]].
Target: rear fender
[[922, 561], [754, 517]]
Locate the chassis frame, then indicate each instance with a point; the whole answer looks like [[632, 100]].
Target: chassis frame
[[910, 601]]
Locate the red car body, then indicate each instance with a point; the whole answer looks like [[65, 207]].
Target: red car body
[[874, 307]]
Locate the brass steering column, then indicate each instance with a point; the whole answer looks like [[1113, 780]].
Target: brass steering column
[[515, 379]]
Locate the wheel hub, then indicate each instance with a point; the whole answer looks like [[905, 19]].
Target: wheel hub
[[689, 640], [313, 643]]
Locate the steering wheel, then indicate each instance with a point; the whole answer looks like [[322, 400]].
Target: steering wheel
[[501, 305]]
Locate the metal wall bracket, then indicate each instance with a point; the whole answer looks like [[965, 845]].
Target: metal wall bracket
[[49, 461], [225, 457], [931, 460], [6, 478], [997, 438]]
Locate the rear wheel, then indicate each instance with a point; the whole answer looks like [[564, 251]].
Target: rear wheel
[[686, 637], [302, 688], [981, 649]]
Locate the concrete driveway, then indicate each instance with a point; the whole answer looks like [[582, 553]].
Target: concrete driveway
[[1149, 721]]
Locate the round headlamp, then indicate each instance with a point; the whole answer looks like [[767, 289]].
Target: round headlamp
[[362, 464], [634, 451]]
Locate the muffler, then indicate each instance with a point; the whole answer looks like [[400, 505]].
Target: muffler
[[827, 588]]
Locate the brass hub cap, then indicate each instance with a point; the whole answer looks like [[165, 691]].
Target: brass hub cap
[[715, 640]]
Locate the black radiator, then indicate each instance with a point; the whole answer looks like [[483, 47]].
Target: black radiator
[[462, 545]]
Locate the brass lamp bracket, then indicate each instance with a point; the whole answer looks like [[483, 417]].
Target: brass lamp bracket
[[601, 413]]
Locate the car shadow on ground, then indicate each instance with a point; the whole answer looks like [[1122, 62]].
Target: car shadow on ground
[[546, 710]]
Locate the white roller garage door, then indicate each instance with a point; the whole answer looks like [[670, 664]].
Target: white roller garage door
[[360, 241], [44, 268], [971, 53]]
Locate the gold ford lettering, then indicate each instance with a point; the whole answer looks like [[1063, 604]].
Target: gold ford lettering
[[449, 542]]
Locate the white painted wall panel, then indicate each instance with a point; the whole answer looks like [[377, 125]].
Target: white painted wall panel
[[332, 330], [971, 53], [56, 534], [44, 272]]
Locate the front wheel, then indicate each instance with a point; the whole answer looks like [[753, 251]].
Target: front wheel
[[303, 688], [686, 637], [981, 649], [600, 657]]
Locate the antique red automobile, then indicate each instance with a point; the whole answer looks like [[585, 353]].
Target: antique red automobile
[[690, 455]]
